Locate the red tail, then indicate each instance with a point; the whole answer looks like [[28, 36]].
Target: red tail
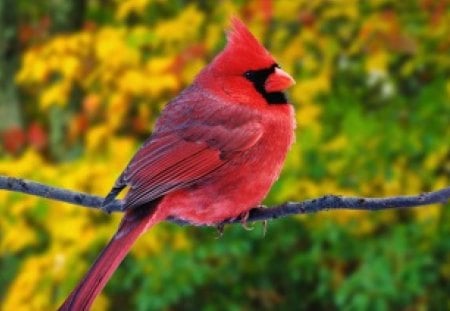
[[134, 223]]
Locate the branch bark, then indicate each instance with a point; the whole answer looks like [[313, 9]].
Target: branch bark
[[327, 202]]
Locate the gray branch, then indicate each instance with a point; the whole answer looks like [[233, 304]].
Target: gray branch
[[327, 202]]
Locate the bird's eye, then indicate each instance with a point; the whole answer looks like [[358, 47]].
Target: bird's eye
[[249, 74]]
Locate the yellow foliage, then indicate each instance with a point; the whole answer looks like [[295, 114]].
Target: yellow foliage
[[306, 90], [132, 82], [377, 63], [338, 143], [18, 234], [427, 213], [307, 115], [126, 7], [56, 94], [287, 9], [182, 29], [147, 245], [34, 69], [158, 65], [70, 67], [96, 138], [23, 166], [32, 287], [117, 108], [191, 70]]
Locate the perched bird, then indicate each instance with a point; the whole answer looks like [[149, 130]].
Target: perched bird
[[215, 151]]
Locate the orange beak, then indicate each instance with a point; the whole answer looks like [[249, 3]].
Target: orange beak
[[278, 81]]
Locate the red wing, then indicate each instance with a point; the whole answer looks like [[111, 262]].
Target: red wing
[[179, 159]]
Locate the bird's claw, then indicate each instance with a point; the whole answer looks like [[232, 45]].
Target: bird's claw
[[244, 218], [264, 227]]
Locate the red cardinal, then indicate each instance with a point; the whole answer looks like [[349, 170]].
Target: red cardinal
[[215, 152]]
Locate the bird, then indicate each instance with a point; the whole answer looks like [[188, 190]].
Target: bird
[[214, 153]]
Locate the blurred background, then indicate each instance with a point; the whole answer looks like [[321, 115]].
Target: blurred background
[[82, 82]]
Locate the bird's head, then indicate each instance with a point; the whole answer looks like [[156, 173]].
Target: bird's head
[[246, 71]]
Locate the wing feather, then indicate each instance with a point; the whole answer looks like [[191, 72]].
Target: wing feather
[[178, 159], [196, 134]]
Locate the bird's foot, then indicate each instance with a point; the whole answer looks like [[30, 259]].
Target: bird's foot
[[220, 229], [244, 218]]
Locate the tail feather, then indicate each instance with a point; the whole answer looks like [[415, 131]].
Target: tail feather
[[134, 223]]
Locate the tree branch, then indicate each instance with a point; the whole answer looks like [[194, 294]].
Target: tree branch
[[327, 202]]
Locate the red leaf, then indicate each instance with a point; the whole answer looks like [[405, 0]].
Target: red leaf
[[307, 18], [13, 139], [37, 137]]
